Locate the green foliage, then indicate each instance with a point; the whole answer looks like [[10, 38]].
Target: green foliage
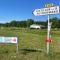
[[32, 45], [26, 23], [55, 22], [30, 22]]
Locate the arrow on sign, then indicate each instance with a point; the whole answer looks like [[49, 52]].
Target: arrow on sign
[[46, 11], [36, 12]]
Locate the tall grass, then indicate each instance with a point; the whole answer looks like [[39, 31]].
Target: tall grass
[[32, 45]]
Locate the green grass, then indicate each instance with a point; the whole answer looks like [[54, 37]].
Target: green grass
[[32, 45]]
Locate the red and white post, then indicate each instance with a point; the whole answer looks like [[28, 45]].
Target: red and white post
[[48, 36]]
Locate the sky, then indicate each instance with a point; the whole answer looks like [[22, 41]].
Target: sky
[[22, 9]]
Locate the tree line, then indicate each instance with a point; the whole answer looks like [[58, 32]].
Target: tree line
[[26, 23]]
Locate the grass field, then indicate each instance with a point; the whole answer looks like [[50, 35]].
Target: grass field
[[32, 45]]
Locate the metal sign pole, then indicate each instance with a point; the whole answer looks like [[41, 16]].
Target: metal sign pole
[[48, 36], [17, 47]]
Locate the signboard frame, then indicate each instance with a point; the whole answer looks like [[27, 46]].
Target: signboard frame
[[9, 41], [46, 11]]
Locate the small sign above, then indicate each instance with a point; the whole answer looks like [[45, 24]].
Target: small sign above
[[49, 5]]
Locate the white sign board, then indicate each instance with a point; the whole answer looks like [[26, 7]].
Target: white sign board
[[8, 40], [46, 11]]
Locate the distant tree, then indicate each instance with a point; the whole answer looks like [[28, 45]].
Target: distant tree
[[13, 23], [55, 22], [41, 23], [29, 22], [58, 23], [6, 24], [23, 24]]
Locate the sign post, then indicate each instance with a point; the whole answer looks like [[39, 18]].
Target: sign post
[[48, 36], [48, 10], [17, 47]]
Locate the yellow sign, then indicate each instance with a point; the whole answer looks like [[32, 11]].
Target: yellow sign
[[49, 5]]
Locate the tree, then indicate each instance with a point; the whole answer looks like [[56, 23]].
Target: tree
[[13, 23], [55, 22], [29, 22]]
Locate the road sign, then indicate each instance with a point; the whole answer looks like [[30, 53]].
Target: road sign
[[49, 5], [46, 11], [8, 39]]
